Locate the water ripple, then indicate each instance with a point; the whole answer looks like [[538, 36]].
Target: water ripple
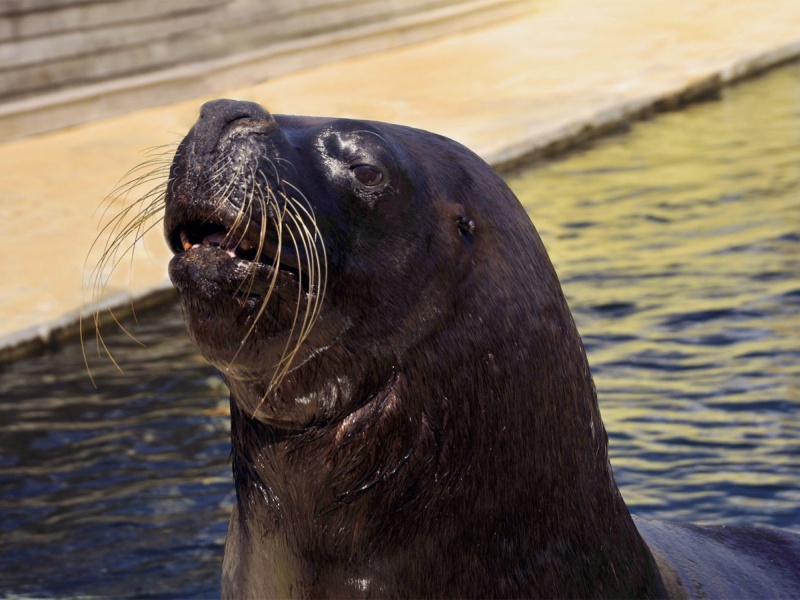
[[677, 246]]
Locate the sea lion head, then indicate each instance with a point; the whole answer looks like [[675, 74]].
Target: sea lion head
[[311, 254]]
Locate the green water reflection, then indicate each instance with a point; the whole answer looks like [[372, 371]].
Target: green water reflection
[[678, 246]]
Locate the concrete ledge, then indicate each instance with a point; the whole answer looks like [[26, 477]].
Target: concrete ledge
[[55, 110], [534, 86], [50, 335], [617, 118]]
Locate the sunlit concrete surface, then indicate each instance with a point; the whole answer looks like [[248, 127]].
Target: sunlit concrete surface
[[505, 91], [68, 63]]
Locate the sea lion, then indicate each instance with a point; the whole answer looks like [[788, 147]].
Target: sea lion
[[412, 411]]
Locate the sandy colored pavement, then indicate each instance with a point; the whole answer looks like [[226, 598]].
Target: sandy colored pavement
[[504, 91]]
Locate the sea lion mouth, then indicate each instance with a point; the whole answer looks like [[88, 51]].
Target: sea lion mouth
[[194, 235], [251, 286], [245, 264]]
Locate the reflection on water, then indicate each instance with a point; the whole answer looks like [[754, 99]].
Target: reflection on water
[[679, 249], [123, 490]]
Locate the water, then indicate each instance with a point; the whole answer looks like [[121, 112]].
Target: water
[[123, 490], [678, 246]]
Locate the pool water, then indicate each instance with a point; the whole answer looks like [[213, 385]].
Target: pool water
[[122, 490], [678, 246]]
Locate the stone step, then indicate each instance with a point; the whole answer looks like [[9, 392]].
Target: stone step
[[103, 65]]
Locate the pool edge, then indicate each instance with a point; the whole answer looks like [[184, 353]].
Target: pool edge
[[51, 334]]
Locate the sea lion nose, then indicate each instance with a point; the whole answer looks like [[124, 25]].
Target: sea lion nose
[[216, 115]]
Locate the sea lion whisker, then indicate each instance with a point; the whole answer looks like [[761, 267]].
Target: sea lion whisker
[[308, 211], [250, 281], [116, 259], [286, 356], [273, 278], [123, 189], [234, 226], [109, 255], [226, 191], [272, 162], [156, 192], [269, 205], [114, 243], [121, 227], [275, 265], [100, 341], [125, 330], [278, 160], [317, 267], [313, 266], [246, 210], [220, 166], [220, 180], [160, 163], [250, 223], [282, 367], [301, 230], [247, 218], [375, 133], [321, 261], [152, 171], [263, 207], [164, 149]]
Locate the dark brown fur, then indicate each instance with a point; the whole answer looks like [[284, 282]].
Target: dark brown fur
[[437, 432]]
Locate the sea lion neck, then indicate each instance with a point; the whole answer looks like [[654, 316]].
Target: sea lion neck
[[325, 493], [373, 490]]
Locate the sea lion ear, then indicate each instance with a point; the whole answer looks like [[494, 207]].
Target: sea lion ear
[[456, 214], [466, 225]]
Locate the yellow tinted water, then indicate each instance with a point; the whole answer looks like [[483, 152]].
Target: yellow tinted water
[[679, 250], [678, 247]]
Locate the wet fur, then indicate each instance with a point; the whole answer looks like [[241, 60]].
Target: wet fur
[[450, 443]]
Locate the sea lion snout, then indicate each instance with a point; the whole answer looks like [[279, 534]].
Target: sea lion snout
[[221, 118]]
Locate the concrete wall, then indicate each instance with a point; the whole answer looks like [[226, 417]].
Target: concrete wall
[[67, 61]]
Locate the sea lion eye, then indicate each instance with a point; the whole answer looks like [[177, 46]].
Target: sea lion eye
[[367, 175]]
